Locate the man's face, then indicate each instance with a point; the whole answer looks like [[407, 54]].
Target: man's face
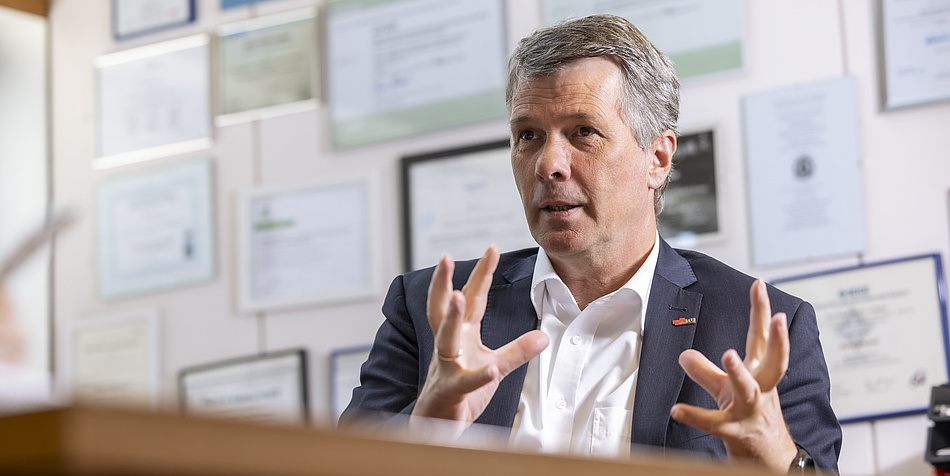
[[586, 186]]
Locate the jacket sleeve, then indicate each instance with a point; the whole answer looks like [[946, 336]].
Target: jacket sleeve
[[805, 392], [390, 378]]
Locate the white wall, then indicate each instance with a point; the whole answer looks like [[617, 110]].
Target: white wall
[[789, 42], [23, 171]]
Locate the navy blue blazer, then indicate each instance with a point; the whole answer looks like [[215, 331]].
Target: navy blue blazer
[[686, 284]]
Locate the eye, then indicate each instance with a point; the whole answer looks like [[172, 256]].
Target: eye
[[527, 135], [585, 131]]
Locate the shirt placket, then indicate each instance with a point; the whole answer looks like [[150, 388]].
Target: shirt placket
[[561, 399]]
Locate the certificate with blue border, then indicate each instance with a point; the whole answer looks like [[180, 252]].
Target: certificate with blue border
[[883, 330], [345, 367], [131, 18]]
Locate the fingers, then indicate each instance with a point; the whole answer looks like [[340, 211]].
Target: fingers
[[759, 317], [448, 335], [467, 381], [735, 391], [745, 389], [516, 353], [702, 418], [476, 289], [775, 362], [702, 371], [440, 292]]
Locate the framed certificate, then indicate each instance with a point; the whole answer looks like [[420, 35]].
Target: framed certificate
[[914, 45], [226, 4], [113, 359], [138, 17], [345, 376], [805, 182], [155, 230], [263, 388], [459, 202], [691, 208], [884, 334], [400, 67], [152, 101], [307, 244], [267, 67], [701, 37]]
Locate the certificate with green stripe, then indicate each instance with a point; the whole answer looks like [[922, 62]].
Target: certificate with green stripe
[[701, 37]]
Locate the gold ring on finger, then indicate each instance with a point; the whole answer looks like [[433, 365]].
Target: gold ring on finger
[[449, 359]]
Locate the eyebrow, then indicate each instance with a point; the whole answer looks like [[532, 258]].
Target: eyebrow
[[577, 116]]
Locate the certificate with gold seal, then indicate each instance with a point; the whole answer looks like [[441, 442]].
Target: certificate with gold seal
[[883, 331]]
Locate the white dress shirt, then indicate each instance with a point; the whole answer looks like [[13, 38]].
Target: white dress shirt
[[578, 394]]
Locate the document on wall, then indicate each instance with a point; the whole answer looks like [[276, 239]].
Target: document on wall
[[691, 202], [152, 102], [136, 17], [398, 67], [701, 37], [267, 67], [916, 51], [266, 388], [460, 202], [155, 230], [113, 360], [307, 245], [345, 367], [804, 170], [882, 332]]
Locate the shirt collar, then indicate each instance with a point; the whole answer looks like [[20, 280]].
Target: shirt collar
[[641, 282]]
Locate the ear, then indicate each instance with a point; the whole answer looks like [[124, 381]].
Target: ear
[[661, 154]]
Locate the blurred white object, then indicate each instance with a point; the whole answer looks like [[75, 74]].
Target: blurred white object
[[23, 390]]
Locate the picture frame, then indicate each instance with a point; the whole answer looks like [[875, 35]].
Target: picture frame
[[285, 234], [267, 66], [155, 229], [113, 359], [133, 18], [693, 207], [397, 68], [153, 101], [344, 373], [912, 53], [269, 387], [883, 329], [460, 201]]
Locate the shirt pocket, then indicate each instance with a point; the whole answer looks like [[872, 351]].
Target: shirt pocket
[[610, 432]]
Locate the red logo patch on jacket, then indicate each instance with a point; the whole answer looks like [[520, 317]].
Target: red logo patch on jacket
[[684, 321]]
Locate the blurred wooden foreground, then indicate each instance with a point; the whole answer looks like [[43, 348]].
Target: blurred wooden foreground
[[97, 441]]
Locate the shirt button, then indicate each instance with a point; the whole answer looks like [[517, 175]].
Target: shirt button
[[575, 340], [560, 404]]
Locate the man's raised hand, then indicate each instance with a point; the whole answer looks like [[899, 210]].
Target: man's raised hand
[[464, 373], [749, 418]]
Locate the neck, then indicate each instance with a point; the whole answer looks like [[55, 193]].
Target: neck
[[591, 277]]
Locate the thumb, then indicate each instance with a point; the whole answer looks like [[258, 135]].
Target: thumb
[[519, 351]]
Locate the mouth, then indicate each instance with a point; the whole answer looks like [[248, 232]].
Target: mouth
[[560, 207]]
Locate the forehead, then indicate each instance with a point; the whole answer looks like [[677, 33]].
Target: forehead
[[592, 85]]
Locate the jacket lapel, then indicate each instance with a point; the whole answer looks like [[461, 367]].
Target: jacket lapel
[[668, 331], [508, 314]]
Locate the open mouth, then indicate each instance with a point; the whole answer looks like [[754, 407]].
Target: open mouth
[[560, 208]]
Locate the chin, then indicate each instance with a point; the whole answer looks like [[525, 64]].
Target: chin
[[560, 243]]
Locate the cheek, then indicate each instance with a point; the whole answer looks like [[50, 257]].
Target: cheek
[[522, 171]]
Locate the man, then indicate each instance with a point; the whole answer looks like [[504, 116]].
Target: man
[[609, 319]]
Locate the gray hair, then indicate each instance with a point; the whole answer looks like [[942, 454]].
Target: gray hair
[[650, 103]]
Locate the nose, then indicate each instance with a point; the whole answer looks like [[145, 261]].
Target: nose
[[553, 162]]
